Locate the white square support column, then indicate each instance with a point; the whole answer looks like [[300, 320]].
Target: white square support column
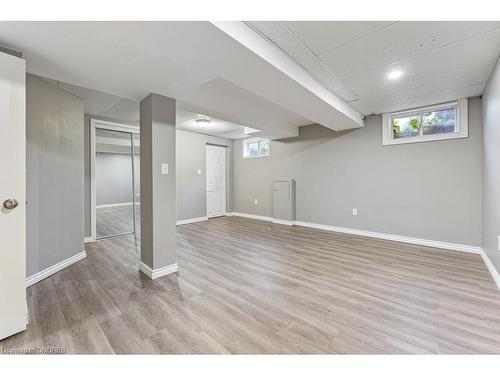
[[158, 206]]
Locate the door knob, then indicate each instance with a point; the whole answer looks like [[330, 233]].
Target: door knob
[[10, 204]]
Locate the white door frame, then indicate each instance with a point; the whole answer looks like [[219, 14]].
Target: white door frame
[[225, 178], [108, 125]]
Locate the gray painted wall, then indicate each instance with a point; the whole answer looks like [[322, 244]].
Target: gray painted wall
[[429, 190], [54, 166], [191, 187], [114, 178], [491, 168]]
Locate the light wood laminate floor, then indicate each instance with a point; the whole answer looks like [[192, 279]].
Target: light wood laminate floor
[[247, 286], [115, 220]]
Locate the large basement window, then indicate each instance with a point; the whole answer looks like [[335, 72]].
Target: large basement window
[[255, 148], [433, 123]]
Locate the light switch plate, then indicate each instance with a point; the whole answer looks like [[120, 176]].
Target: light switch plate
[[255, 201], [354, 211], [498, 242], [164, 168], [198, 172]]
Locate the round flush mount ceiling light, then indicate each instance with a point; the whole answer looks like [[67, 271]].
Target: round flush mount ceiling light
[[204, 122], [395, 74]]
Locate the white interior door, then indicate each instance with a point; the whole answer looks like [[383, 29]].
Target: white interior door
[[13, 309], [216, 181]]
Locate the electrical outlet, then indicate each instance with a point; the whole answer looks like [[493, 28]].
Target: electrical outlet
[[354, 212], [255, 201]]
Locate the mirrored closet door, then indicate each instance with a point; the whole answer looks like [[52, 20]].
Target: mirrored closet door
[[116, 182]]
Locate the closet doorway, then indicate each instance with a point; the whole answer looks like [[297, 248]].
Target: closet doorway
[[115, 179], [216, 180]]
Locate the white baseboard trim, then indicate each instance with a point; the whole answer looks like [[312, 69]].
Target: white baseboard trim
[[154, 274], [394, 237], [250, 216], [283, 222], [365, 233], [114, 205], [88, 240], [55, 268], [117, 204], [192, 220], [494, 273], [384, 236]]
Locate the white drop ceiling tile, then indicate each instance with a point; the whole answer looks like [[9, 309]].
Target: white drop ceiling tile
[[419, 75], [472, 76], [450, 82], [321, 36], [399, 104], [298, 52], [472, 57], [271, 29], [463, 92], [370, 84], [431, 90], [467, 53], [399, 42]]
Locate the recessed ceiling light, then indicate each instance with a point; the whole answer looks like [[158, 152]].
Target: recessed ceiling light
[[395, 74]]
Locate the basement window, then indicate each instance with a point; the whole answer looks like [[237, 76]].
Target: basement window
[[255, 148], [432, 123]]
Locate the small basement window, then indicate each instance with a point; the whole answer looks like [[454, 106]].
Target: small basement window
[[432, 123], [255, 148]]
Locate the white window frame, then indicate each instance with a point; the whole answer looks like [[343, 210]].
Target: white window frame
[[461, 127], [252, 140]]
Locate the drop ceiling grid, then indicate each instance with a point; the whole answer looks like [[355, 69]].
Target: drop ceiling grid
[[286, 40], [459, 55], [463, 64], [391, 46]]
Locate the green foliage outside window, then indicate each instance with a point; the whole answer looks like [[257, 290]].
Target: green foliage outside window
[[423, 123], [405, 127], [414, 124], [395, 128]]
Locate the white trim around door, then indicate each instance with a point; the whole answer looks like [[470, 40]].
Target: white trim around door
[[216, 178], [108, 125]]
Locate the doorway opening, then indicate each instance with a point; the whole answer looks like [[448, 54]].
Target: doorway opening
[[115, 179], [216, 180]]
